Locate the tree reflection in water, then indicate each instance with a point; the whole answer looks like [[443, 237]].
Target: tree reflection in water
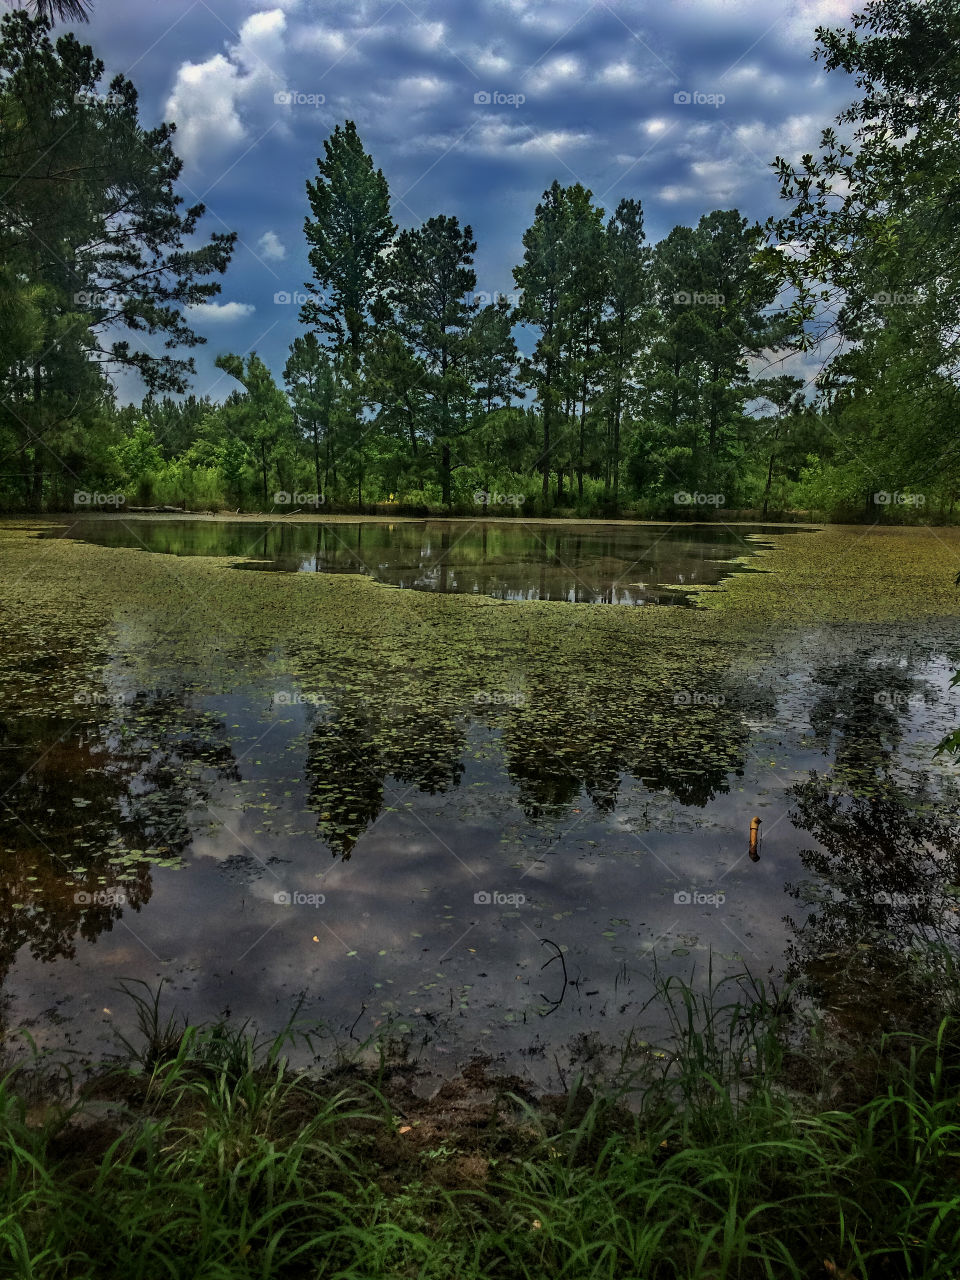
[[84, 807], [882, 894]]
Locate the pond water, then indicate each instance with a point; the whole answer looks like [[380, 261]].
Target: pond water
[[406, 834], [505, 560]]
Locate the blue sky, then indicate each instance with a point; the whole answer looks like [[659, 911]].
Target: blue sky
[[569, 89]]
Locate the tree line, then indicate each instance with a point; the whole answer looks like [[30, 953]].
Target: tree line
[[616, 376]]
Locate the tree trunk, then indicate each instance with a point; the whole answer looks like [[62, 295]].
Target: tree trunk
[[445, 475], [547, 414], [766, 492]]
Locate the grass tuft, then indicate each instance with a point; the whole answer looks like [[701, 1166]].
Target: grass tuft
[[706, 1160]]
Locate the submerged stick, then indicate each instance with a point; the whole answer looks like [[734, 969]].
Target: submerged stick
[[755, 840], [554, 1004]]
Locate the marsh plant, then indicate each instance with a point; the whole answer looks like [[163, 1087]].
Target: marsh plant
[[743, 1146]]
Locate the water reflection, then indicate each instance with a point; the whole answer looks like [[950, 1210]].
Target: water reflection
[[587, 564], [563, 740], [357, 744], [885, 869], [88, 806], [400, 783], [862, 708]]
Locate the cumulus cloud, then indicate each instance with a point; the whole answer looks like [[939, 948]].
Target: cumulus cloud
[[554, 74], [709, 180], [487, 60], [618, 73], [791, 137], [320, 38], [599, 82], [506, 138], [209, 100], [271, 246], [220, 312]]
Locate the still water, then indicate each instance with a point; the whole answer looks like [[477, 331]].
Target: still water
[[508, 561], [406, 852]]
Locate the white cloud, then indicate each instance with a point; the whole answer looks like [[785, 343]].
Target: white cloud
[[709, 180], [503, 138], [419, 88], [323, 39], [555, 140], [271, 246], [618, 73], [552, 74], [207, 97], [430, 35], [753, 76], [790, 137], [220, 312], [487, 60]]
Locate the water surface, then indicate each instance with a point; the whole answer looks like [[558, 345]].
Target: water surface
[[613, 564], [405, 847]]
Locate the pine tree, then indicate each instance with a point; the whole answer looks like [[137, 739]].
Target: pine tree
[[312, 388], [433, 273], [350, 237], [93, 240]]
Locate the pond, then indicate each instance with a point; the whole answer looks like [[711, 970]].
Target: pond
[[403, 808], [504, 559]]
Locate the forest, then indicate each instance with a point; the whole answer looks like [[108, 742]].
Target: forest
[[390, 891], [801, 367]]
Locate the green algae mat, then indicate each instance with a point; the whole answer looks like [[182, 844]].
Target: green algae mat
[[398, 805]]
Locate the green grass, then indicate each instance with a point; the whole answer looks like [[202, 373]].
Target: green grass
[[746, 1151]]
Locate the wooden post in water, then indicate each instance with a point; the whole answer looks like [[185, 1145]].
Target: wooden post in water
[[755, 840]]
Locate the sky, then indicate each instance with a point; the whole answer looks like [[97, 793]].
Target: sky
[[470, 109]]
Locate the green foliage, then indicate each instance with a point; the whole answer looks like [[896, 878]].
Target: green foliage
[[869, 247], [728, 1162], [646, 364], [95, 251]]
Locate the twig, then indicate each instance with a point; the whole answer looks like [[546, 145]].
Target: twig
[[554, 1004], [363, 1010]]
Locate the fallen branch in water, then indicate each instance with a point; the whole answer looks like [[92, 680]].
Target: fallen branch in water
[[554, 1004]]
